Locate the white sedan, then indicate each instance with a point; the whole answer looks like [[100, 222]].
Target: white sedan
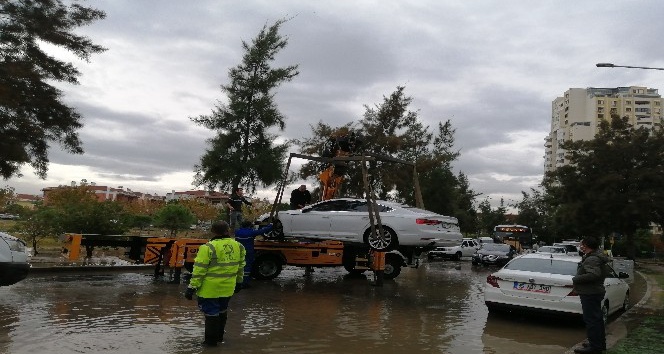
[[347, 219], [543, 283]]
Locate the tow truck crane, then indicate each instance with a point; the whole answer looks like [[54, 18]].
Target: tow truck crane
[[272, 253], [275, 251]]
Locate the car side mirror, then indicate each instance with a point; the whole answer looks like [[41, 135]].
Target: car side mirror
[[623, 275]]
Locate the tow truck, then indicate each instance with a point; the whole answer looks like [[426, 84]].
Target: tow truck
[[274, 252]]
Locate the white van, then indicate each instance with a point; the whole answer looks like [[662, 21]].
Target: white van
[[14, 265]]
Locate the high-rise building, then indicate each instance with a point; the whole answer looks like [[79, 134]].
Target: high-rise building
[[577, 114]]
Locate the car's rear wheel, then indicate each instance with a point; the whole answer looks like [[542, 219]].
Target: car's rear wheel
[[266, 267], [625, 304], [457, 256], [385, 242]]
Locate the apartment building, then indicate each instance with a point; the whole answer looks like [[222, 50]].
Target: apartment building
[[577, 114]]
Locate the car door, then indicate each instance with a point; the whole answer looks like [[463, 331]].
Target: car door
[[468, 248], [615, 291], [313, 221], [349, 220]]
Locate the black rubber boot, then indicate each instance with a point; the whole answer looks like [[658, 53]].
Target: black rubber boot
[[221, 326], [211, 330]]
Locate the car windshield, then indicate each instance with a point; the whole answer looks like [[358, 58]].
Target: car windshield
[[543, 265], [495, 247]]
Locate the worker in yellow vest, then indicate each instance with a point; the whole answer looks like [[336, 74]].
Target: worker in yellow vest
[[217, 275]]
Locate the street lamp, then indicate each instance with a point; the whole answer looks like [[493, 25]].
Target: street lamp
[[609, 65]]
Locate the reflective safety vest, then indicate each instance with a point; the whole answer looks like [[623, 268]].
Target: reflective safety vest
[[218, 266]]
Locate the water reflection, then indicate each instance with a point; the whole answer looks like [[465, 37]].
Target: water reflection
[[436, 308]]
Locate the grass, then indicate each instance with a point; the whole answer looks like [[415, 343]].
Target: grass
[[648, 336]]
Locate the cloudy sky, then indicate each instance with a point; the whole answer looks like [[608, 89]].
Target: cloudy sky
[[491, 67]]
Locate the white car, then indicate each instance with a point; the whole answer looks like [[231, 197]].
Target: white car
[[466, 249], [14, 264], [347, 219], [543, 283], [557, 250]]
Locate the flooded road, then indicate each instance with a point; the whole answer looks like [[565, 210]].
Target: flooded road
[[435, 308]]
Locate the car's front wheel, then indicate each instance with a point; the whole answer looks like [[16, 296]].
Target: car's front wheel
[[385, 241], [605, 311], [625, 304], [457, 256]]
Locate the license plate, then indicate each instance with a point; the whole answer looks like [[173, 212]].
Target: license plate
[[535, 288]]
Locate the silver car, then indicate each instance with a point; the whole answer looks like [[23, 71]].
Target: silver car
[[347, 219]]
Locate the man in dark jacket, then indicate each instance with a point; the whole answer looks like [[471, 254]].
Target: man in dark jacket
[[246, 235], [589, 284], [300, 197]]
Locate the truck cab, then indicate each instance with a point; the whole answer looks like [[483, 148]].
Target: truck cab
[[14, 265]]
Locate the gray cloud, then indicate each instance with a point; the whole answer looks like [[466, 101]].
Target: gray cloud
[[492, 68]]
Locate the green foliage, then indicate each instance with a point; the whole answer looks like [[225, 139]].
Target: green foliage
[[174, 217], [32, 112], [243, 153], [488, 217], [40, 224], [392, 130], [613, 182], [7, 195]]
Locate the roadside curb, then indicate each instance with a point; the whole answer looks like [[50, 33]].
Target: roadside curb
[[74, 269]]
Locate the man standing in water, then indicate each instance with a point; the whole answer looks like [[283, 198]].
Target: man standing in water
[[217, 275], [589, 284]]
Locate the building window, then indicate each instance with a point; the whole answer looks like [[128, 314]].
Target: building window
[[600, 116], [628, 109], [600, 101], [628, 102]]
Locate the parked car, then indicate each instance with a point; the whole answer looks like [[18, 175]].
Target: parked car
[[8, 216], [558, 250], [570, 247], [347, 219], [543, 283], [494, 254], [14, 264], [467, 248]]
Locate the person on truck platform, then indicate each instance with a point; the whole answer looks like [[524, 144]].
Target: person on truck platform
[[234, 204], [300, 197], [246, 235], [217, 275]]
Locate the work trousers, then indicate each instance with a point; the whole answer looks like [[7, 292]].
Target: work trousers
[[235, 219], [591, 306]]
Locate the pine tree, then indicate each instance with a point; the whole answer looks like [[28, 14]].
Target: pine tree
[[32, 113], [243, 152]]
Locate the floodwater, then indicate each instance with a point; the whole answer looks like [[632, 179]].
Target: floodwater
[[436, 308]]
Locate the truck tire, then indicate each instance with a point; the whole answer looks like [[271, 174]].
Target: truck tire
[[348, 261], [266, 267], [457, 256], [392, 266]]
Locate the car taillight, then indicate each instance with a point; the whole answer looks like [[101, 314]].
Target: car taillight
[[493, 281], [571, 293], [427, 222]]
